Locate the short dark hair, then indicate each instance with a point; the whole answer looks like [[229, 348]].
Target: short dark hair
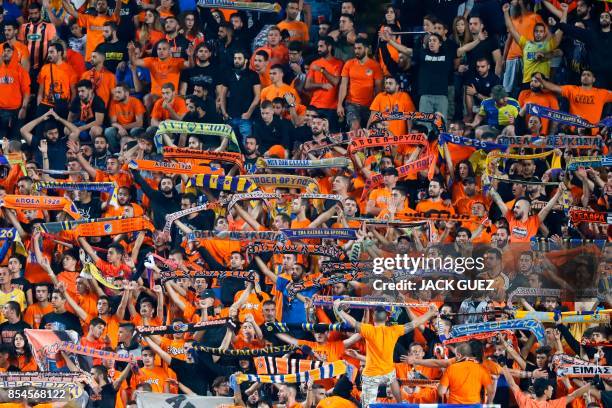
[[111, 24], [97, 321], [265, 105], [169, 85], [117, 247], [84, 83], [540, 385], [35, 6], [263, 54]]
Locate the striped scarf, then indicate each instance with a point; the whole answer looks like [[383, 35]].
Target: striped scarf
[[563, 359], [180, 327], [189, 169], [279, 365], [320, 233], [355, 302], [260, 195], [234, 158], [170, 218], [192, 128], [284, 181], [518, 324], [333, 267], [256, 248], [92, 352], [327, 370], [541, 292], [590, 161], [320, 282], [241, 5], [276, 327], [103, 187], [225, 183], [416, 139], [552, 142], [250, 276], [334, 162], [565, 317], [266, 351]]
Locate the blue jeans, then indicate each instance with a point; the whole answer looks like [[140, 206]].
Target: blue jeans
[[243, 127]]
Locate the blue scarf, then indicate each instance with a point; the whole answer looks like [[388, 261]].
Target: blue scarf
[[563, 117]]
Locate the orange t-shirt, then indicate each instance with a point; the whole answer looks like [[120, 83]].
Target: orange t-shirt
[[159, 113], [298, 30], [155, 376], [381, 197], [325, 98], [330, 351], [94, 26], [253, 306], [277, 55], [335, 402], [63, 78], [361, 80], [428, 205], [545, 99], [168, 70], [34, 313], [272, 91], [122, 178], [586, 103], [380, 343], [126, 112], [103, 83], [14, 86], [465, 381], [397, 102], [522, 231], [174, 347], [525, 401]]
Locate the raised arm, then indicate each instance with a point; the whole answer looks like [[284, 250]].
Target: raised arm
[[264, 268], [166, 358], [87, 248], [551, 204], [510, 25], [433, 310], [498, 201], [549, 85], [346, 318]]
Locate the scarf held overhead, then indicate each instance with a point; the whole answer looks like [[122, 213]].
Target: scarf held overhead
[[418, 139], [518, 324], [235, 184], [327, 370], [115, 227], [30, 202], [171, 152], [558, 116], [189, 169], [192, 128], [241, 5]]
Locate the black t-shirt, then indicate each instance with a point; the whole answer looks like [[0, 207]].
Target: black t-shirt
[[21, 283], [126, 30], [240, 91], [89, 210], [114, 53], [483, 85], [483, 49], [62, 321], [190, 375], [178, 47], [433, 72], [85, 112], [204, 221], [8, 330], [105, 399], [249, 164], [208, 77]]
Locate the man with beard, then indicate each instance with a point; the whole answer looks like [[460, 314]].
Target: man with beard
[[251, 154], [170, 106], [202, 73], [298, 30], [226, 46], [435, 202], [15, 89], [323, 79], [380, 341], [240, 91], [126, 114], [537, 95], [114, 51], [87, 111], [37, 35], [392, 100], [319, 137], [165, 200], [479, 85], [55, 154], [100, 153], [585, 100], [55, 93], [522, 226], [102, 80], [125, 203], [537, 53], [361, 81], [598, 42], [21, 55], [200, 111], [93, 24], [178, 42]]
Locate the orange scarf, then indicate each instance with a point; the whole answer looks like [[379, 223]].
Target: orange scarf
[[365, 142], [186, 153], [169, 167], [113, 227], [30, 202]]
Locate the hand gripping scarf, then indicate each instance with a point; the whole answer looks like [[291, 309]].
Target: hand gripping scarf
[[558, 116], [187, 153], [552, 142], [247, 236], [316, 233], [256, 248], [192, 128], [276, 327], [266, 351], [435, 118], [474, 336], [495, 155], [320, 282], [592, 217], [250, 276], [327, 370], [417, 139], [30, 202], [170, 218], [103, 187], [332, 267], [587, 316], [121, 226], [59, 226], [279, 365], [589, 162], [180, 327], [584, 371], [563, 359], [241, 5], [337, 139], [189, 169], [92, 352], [428, 162], [235, 184], [543, 292], [284, 181], [333, 162], [533, 326]]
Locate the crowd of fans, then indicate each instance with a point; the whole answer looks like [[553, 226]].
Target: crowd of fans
[[85, 87]]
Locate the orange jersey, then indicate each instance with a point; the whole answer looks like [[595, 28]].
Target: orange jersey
[[103, 83], [64, 78], [156, 376], [273, 91], [93, 26], [522, 231], [160, 113], [329, 352], [37, 37], [361, 80], [586, 103], [428, 205], [34, 313], [465, 381], [380, 342], [397, 102], [14, 86], [164, 71], [325, 98], [126, 112], [298, 30]]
